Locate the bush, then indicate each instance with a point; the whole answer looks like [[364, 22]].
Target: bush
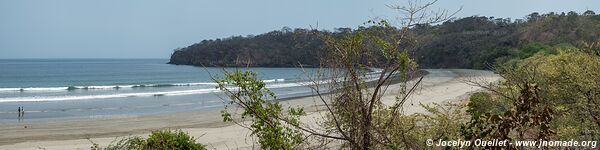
[[481, 103], [551, 96], [274, 128], [161, 139]]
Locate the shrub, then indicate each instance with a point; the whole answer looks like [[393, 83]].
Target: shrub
[[481, 103], [274, 128], [160, 139], [551, 96], [440, 122]]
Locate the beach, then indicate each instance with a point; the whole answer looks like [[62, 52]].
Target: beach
[[438, 86]]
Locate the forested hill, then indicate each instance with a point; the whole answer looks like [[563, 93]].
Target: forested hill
[[285, 48], [471, 42]]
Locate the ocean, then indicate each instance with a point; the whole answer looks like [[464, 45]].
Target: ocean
[[92, 88]]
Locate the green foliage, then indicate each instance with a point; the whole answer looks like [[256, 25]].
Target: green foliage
[[533, 48], [355, 110], [441, 121], [482, 103], [571, 82], [470, 42], [555, 96], [528, 120], [477, 103], [280, 48], [274, 129], [129, 143], [531, 104], [160, 139], [166, 139], [481, 107]]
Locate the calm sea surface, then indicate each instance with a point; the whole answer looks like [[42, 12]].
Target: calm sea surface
[[91, 88]]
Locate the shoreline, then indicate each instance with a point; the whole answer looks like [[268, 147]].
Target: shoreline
[[415, 75], [207, 125]]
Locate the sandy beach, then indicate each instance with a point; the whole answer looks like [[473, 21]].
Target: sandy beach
[[438, 86]]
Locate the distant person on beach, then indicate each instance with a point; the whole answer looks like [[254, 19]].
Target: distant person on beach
[[20, 112]]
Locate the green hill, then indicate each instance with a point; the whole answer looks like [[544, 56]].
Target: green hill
[[470, 42]]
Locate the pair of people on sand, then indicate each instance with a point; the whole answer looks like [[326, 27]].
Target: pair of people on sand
[[21, 112]]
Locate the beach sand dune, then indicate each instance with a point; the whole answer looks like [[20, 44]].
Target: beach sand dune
[[438, 86]]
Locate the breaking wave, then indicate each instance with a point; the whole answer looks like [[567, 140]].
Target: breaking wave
[[122, 95], [113, 87]]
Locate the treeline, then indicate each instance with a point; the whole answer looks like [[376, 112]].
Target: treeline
[[471, 42], [477, 42], [281, 48]]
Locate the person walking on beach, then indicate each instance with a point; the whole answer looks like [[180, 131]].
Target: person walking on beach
[[19, 110]]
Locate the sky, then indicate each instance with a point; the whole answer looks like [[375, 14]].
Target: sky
[[153, 28]]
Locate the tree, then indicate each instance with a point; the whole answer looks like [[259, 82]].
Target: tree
[[589, 13], [551, 96], [274, 129], [533, 16], [356, 110], [356, 114], [470, 42]]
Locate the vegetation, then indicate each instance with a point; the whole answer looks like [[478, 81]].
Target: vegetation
[[483, 103], [569, 83], [355, 113], [274, 129], [284, 48], [471, 42], [547, 96], [550, 88], [161, 139], [551, 96]]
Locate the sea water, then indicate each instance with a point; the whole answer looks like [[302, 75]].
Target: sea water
[[89, 88]]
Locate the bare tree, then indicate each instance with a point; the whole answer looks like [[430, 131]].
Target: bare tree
[[359, 68], [356, 110]]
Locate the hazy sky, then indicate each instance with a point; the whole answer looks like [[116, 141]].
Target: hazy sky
[[153, 28]]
